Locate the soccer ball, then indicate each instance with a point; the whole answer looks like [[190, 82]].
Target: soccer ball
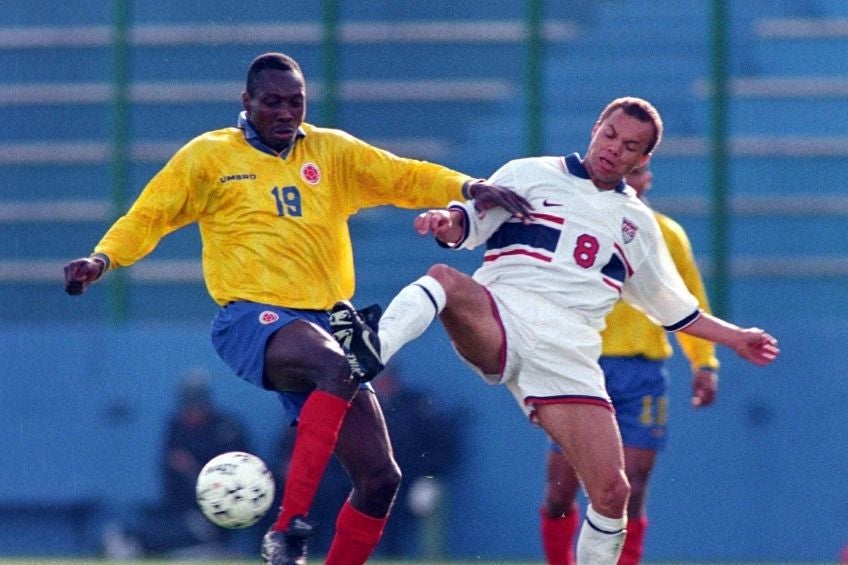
[[235, 489]]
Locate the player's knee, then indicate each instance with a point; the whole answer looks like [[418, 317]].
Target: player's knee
[[611, 499], [335, 377], [330, 371], [443, 273], [381, 484]]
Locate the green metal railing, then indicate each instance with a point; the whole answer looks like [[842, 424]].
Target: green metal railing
[[535, 41], [330, 52], [534, 75], [720, 209], [118, 288]]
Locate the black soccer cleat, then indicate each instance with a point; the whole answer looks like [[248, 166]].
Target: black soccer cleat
[[371, 316], [289, 547], [357, 334]]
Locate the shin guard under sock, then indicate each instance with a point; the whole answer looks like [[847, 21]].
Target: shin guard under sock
[[317, 431], [357, 534], [601, 538], [409, 314]]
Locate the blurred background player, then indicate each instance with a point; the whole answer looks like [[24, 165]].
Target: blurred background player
[[197, 431], [633, 361], [427, 443]]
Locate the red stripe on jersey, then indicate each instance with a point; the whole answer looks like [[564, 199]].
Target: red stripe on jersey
[[492, 256], [612, 283], [548, 217]]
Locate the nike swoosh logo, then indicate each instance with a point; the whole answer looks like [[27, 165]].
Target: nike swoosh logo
[[547, 202]]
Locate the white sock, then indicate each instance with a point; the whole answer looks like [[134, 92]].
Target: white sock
[[409, 314], [601, 539]]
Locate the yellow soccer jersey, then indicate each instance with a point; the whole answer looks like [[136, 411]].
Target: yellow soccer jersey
[[629, 332], [275, 228]]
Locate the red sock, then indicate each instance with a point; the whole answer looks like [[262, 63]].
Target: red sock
[[634, 543], [357, 534], [317, 431], [558, 536]]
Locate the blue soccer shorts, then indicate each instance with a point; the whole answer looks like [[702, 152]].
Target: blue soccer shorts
[[240, 332], [638, 389]]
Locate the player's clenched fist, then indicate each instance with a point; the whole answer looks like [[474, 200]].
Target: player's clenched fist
[[79, 273], [436, 222]]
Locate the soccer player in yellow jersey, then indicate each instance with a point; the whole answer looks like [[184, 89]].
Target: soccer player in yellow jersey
[[272, 198], [634, 351]]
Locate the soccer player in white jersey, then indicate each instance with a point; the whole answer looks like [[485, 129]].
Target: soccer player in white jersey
[[633, 358], [531, 315]]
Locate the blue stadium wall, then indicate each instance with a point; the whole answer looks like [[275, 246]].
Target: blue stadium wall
[[84, 406], [83, 400]]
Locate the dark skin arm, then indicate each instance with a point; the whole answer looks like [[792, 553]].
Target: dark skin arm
[[80, 273], [486, 196]]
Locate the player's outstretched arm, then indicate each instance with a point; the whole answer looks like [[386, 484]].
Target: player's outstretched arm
[[80, 273], [752, 344], [486, 196]]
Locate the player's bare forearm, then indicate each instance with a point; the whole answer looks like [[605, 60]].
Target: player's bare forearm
[[446, 225], [752, 344]]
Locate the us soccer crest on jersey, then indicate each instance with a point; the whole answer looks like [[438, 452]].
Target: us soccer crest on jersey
[[628, 230]]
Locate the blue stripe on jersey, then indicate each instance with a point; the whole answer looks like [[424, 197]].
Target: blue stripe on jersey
[[533, 235], [615, 269], [684, 322]]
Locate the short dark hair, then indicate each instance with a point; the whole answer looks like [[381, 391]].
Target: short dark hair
[[640, 109], [277, 61]]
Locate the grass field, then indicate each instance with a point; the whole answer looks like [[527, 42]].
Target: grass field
[[252, 562], [41, 561]]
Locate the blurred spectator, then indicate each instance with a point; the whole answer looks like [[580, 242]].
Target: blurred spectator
[[196, 432], [426, 440]]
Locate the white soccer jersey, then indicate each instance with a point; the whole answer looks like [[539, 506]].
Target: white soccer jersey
[[586, 247]]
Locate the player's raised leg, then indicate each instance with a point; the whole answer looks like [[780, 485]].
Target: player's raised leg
[[410, 313], [589, 435], [463, 305], [470, 319]]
